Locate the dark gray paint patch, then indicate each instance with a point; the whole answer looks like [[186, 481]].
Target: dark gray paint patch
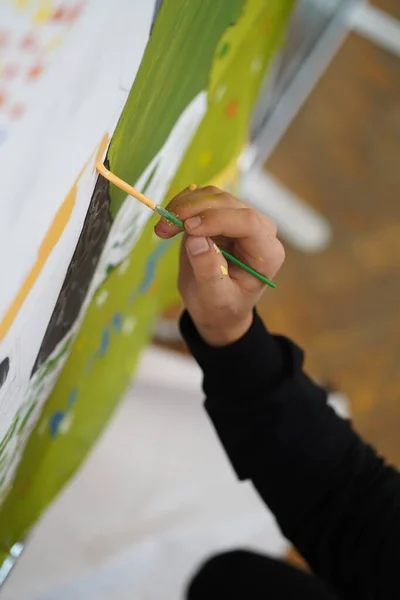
[[4, 369], [91, 242]]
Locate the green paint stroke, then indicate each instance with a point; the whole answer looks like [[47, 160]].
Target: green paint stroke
[[175, 68], [235, 78], [224, 50]]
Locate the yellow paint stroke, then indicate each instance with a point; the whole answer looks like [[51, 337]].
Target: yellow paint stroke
[[224, 270], [51, 238], [54, 43], [22, 4], [217, 250], [82, 343], [44, 12], [205, 158]]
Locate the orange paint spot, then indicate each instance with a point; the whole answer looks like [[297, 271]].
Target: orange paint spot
[[26, 486], [74, 13], [192, 187], [266, 27], [35, 71], [154, 288], [2, 99], [232, 109], [10, 71], [28, 42], [59, 14], [17, 111], [51, 238]]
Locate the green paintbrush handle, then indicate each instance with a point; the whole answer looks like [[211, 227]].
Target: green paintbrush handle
[[173, 219], [239, 263], [163, 212]]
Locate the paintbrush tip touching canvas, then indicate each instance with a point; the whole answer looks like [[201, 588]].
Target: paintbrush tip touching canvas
[[122, 185]]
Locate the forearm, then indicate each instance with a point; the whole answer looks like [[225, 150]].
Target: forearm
[[330, 493]]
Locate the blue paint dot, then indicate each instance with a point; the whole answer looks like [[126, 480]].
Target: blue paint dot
[[89, 364], [55, 422], [117, 321], [58, 416], [72, 397], [150, 270], [105, 341]]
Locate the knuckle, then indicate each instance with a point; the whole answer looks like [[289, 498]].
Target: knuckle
[[277, 258], [280, 250], [211, 189], [252, 217], [171, 206], [183, 208], [229, 200], [185, 211], [272, 225]]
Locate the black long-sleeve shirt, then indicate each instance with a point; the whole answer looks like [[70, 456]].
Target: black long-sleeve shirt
[[333, 496]]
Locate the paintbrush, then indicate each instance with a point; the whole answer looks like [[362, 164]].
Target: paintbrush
[[120, 183]]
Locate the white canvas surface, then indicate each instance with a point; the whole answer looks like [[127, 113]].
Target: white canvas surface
[[77, 99]]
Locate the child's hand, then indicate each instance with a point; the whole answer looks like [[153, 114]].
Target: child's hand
[[220, 296]]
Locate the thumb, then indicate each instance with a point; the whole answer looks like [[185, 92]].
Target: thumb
[[209, 266]]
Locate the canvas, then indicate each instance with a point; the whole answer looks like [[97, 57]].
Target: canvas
[[84, 274]]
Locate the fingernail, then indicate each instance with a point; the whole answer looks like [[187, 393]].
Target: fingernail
[[197, 245], [193, 222]]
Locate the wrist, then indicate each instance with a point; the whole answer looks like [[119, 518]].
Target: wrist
[[225, 335]]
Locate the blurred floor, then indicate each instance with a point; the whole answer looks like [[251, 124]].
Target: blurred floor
[[341, 155], [392, 7]]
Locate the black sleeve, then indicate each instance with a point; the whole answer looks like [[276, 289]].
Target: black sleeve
[[334, 498]]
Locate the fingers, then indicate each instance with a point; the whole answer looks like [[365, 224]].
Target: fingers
[[189, 199], [253, 236], [210, 213], [192, 202], [229, 222], [209, 266]]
